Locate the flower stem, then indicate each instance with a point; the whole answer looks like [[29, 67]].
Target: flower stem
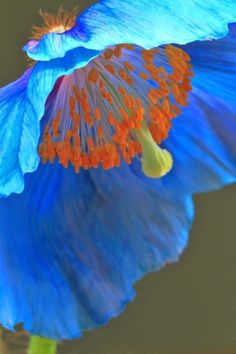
[[39, 345]]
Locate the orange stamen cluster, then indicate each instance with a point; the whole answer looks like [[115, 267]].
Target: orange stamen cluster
[[103, 113], [172, 91], [107, 153], [62, 21]]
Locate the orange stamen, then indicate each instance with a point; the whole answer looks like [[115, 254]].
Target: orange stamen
[[61, 22], [93, 76], [97, 113], [108, 54], [105, 112]]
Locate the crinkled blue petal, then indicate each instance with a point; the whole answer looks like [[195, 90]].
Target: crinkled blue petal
[[142, 22], [21, 108], [72, 245], [203, 139], [17, 122]]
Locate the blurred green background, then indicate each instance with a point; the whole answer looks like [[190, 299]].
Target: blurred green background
[[187, 308]]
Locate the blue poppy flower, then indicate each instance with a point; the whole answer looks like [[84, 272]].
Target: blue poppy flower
[[93, 123]]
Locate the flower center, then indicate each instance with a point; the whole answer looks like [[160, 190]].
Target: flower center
[[60, 22], [117, 107]]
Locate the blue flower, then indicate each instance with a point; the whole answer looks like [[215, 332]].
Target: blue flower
[[93, 122]]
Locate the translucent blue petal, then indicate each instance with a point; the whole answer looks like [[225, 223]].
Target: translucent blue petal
[[21, 108], [142, 22], [72, 246], [203, 139]]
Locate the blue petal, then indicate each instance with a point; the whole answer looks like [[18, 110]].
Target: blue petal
[[203, 139], [21, 107], [72, 246], [142, 22], [18, 136]]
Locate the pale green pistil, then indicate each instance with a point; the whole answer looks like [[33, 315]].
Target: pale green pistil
[[156, 162], [39, 345]]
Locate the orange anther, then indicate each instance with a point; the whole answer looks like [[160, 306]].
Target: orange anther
[[94, 159], [123, 74], [110, 98], [59, 147], [97, 113], [76, 141], [190, 73], [76, 120], [110, 118], [156, 50], [51, 152], [117, 160], [118, 51], [88, 119], [103, 93], [131, 149], [185, 84], [85, 105], [84, 93], [68, 135], [42, 150], [129, 80], [108, 53], [100, 131], [164, 89], [77, 167], [128, 101], [127, 158], [176, 110], [72, 103], [110, 68], [128, 66], [85, 161], [93, 75], [76, 158], [128, 46], [141, 110], [58, 115], [147, 56], [101, 84], [163, 71], [125, 126], [90, 143], [148, 53], [135, 116], [76, 93], [155, 93], [122, 90], [77, 153], [124, 113], [152, 98], [63, 158], [55, 127], [178, 68], [132, 102], [143, 75], [137, 147], [166, 105], [182, 101], [119, 139]]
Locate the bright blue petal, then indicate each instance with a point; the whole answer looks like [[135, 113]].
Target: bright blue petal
[[18, 136], [21, 107], [72, 246], [203, 139], [142, 22]]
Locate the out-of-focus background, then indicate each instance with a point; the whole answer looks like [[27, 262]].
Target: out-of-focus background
[[187, 308]]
